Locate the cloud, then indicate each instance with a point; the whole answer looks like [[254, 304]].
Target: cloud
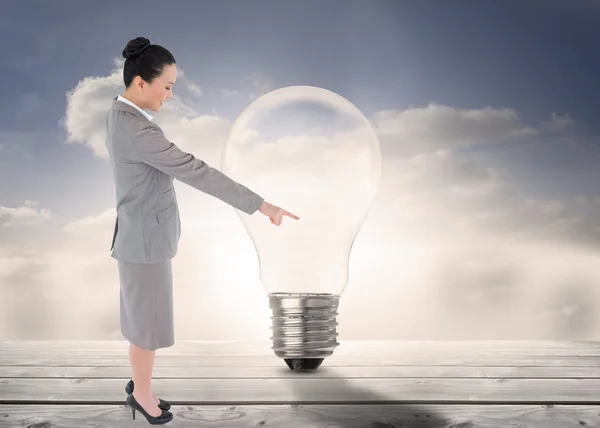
[[89, 102], [23, 216], [72, 268], [558, 122], [442, 191], [193, 87], [516, 288], [66, 287], [87, 106], [254, 85], [451, 249], [60, 285], [438, 127]]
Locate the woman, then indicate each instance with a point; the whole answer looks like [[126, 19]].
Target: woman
[[146, 236]]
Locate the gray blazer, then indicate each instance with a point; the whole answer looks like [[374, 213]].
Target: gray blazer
[[144, 164]]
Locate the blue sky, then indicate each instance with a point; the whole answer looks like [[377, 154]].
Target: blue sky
[[486, 113], [538, 59], [380, 54], [532, 57]]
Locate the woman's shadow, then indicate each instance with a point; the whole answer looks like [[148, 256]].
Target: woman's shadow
[[353, 406]]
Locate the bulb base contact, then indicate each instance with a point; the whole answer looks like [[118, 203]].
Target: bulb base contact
[[304, 328]]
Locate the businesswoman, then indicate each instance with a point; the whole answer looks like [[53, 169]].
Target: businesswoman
[[144, 164]]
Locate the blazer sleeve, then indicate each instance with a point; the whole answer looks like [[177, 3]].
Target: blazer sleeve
[[150, 144]]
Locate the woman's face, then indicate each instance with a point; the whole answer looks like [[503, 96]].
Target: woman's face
[[161, 89]]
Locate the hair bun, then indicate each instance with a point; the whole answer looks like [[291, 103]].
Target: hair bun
[[135, 47]]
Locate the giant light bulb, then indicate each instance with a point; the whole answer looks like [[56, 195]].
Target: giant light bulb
[[313, 153]]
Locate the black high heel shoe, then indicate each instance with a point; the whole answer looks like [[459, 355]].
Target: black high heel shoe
[[163, 405], [163, 418]]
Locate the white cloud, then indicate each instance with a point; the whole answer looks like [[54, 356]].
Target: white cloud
[[441, 191], [25, 215], [65, 285], [11, 265], [251, 87], [558, 123], [190, 85], [451, 248], [88, 225], [70, 284], [202, 135], [516, 288], [195, 88], [88, 104], [426, 129]]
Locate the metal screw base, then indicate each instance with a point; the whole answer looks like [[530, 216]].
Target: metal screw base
[[304, 328]]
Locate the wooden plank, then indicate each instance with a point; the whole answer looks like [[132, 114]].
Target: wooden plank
[[271, 361], [115, 348], [282, 372], [257, 344], [203, 354], [314, 416], [306, 390], [263, 348]]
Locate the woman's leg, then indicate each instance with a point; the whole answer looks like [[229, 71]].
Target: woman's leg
[[142, 363]]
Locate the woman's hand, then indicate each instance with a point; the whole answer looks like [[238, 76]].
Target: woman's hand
[[275, 213]]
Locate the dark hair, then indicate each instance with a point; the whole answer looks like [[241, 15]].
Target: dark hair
[[144, 60]]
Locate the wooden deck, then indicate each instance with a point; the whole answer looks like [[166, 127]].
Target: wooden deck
[[363, 385]]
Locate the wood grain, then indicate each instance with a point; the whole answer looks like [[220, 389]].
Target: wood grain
[[259, 354], [441, 360], [310, 416], [367, 384], [304, 390], [282, 372], [263, 348]]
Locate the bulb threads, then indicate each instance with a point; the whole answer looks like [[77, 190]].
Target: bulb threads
[[304, 327]]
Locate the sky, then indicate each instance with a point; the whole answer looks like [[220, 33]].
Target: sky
[[485, 225]]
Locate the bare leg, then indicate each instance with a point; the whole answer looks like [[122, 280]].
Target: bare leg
[[142, 363]]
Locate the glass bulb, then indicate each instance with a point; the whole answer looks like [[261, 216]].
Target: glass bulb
[[313, 153]]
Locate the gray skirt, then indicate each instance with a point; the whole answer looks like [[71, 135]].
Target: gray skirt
[[147, 304]]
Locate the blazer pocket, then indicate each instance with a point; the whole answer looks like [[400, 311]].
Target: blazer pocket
[[167, 213]]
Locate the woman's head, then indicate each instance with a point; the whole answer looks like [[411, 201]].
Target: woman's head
[[149, 74]]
